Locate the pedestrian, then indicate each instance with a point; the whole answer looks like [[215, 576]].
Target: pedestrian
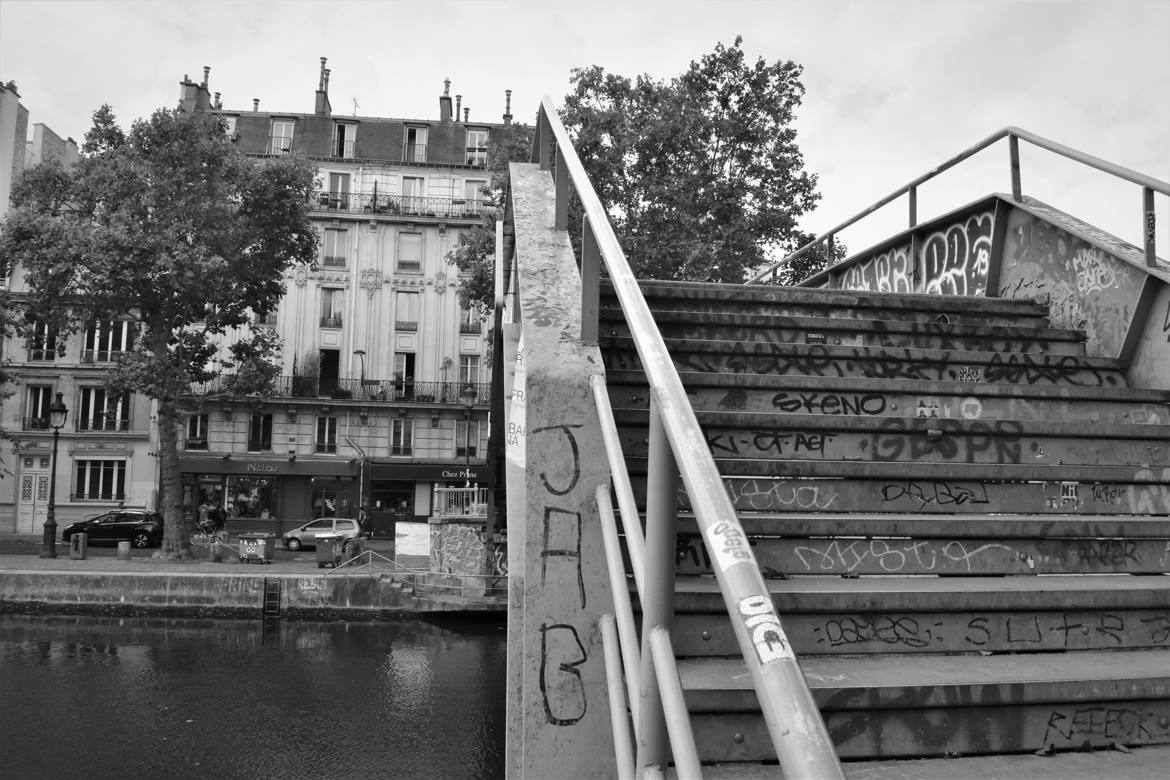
[[204, 515], [218, 517]]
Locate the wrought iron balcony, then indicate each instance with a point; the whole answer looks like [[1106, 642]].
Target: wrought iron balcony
[[402, 205], [376, 390], [34, 424], [331, 322], [102, 424]]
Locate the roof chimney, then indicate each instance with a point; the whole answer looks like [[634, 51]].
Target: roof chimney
[[458, 100], [445, 102], [466, 111], [507, 106], [255, 104], [206, 73], [322, 106], [217, 103], [194, 97]]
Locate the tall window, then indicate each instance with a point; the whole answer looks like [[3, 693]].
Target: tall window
[[468, 369], [100, 480], [42, 342], [36, 407], [338, 197], [473, 196], [326, 434], [280, 137], [102, 411], [260, 433], [197, 432], [469, 321], [404, 374], [477, 147], [409, 252], [466, 447], [412, 194], [107, 340], [229, 125], [334, 248], [343, 137], [415, 147], [406, 310], [401, 437], [331, 302]]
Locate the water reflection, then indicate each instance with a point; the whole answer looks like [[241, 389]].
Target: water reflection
[[144, 697]]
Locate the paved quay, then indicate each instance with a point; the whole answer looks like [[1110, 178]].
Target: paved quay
[[291, 585]]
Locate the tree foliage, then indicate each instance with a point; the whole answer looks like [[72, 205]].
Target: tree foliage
[[172, 228], [475, 249], [701, 174]]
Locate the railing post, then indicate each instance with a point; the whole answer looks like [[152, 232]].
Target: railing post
[[913, 193], [1014, 154], [561, 182], [590, 283], [658, 596], [1149, 223], [544, 138]]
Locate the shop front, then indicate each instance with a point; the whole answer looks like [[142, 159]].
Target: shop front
[[402, 492], [270, 495]]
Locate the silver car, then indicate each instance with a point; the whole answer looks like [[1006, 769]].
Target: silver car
[[306, 535]]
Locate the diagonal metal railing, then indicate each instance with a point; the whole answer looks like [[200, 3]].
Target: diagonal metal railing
[[679, 448], [1149, 186]]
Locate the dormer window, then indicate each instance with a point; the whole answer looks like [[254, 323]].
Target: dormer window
[[477, 147], [414, 148], [280, 137], [344, 136]]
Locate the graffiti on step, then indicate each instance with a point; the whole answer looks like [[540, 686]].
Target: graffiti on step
[[852, 404], [1051, 369], [967, 441], [771, 442], [1000, 631], [1105, 724], [561, 686], [954, 261], [762, 495], [892, 556], [921, 494], [1116, 553]]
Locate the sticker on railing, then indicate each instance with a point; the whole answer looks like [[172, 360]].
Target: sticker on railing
[[728, 545], [763, 626]]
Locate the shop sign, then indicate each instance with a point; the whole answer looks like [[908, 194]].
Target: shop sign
[[262, 468]]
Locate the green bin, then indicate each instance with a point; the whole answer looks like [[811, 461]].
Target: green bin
[[328, 550], [257, 547]]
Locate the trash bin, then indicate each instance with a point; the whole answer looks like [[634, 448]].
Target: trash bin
[[328, 550], [78, 543], [257, 547]]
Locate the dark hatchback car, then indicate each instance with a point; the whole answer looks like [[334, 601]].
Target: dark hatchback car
[[140, 527]]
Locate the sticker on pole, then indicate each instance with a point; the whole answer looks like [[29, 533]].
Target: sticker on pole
[[763, 627], [728, 545]]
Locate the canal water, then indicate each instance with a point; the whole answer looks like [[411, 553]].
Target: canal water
[[150, 697]]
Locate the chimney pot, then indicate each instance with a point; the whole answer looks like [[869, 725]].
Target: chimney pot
[[326, 89], [206, 73], [321, 80], [255, 104], [507, 106], [446, 87], [458, 100], [466, 111]]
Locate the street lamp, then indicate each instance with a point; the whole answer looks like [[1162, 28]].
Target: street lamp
[[57, 414], [361, 353], [468, 396]]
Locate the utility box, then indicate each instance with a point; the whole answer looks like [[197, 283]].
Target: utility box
[[78, 544], [328, 550], [257, 547]]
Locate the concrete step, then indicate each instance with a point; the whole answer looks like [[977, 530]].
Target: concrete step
[[931, 365], [896, 705], [862, 396], [796, 301], [758, 435], [1141, 763], [834, 615], [855, 332]]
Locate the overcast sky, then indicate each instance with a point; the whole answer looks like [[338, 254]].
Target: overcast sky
[[894, 87]]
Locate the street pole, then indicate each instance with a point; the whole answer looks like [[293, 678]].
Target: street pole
[[57, 414]]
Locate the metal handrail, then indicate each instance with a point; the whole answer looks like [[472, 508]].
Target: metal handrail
[[623, 746], [798, 732], [621, 599], [1149, 185]]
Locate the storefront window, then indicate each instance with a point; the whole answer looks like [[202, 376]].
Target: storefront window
[[334, 497], [250, 496]]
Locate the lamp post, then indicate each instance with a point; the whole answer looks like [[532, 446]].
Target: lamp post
[[468, 396], [361, 353], [57, 414]]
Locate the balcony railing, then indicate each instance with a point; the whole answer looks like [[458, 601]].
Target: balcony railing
[[100, 355], [331, 322], [414, 153], [49, 353], [476, 155], [404, 205], [408, 390], [34, 424], [102, 424]]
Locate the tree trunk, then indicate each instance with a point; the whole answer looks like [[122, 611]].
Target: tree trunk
[[176, 543]]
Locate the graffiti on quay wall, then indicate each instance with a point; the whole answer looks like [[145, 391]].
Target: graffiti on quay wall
[[952, 261]]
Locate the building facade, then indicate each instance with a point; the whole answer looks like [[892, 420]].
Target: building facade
[[383, 393]]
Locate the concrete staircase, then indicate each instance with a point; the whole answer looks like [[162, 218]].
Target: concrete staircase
[[962, 516]]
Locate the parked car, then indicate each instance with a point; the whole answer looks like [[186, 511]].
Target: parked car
[[306, 535], [140, 527]]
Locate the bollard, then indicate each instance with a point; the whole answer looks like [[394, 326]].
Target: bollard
[[123, 551], [78, 543]]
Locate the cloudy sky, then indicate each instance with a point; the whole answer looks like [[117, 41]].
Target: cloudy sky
[[894, 87]]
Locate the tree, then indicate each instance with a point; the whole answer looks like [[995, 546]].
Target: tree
[[170, 227], [475, 250], [701, 175]]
